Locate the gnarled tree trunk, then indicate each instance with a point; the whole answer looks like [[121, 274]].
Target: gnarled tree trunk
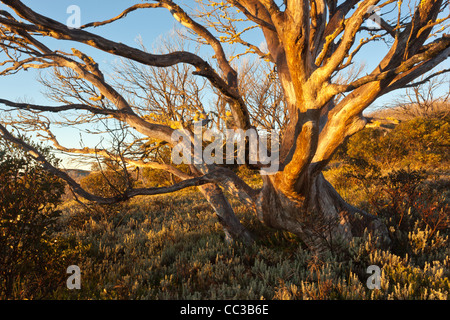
[[316, 214]]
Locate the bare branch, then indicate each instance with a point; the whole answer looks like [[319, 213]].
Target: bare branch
[[122, 15], [238, 106], [433, 51], [39, 108], [348, 38], [197, 181], [271, 6], [421, 82], [108, 155]]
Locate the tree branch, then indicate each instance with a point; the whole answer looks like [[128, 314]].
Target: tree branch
[[130, 193], [62, 108], [238, 107], [261, 22], [351, 28], [122, 15], [434, 49], [419, 83], [106, 154]]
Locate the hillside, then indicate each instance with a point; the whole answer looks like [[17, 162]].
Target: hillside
[[77, 174], [407, 112], [173, 247]]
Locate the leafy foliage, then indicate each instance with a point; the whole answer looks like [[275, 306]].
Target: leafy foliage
[[412, 143], [32, 258]]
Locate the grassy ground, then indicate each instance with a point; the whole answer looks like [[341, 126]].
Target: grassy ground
[[172, 247]]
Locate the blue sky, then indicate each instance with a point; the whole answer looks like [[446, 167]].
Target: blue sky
[[148, 24]]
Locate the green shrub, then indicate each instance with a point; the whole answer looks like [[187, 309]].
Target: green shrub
[[421, 141], [411, 210], [106, 183], [414, 143], [156, 178], [32, 258]]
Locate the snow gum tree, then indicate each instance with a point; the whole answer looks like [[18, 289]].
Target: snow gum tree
[[308, 44]]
